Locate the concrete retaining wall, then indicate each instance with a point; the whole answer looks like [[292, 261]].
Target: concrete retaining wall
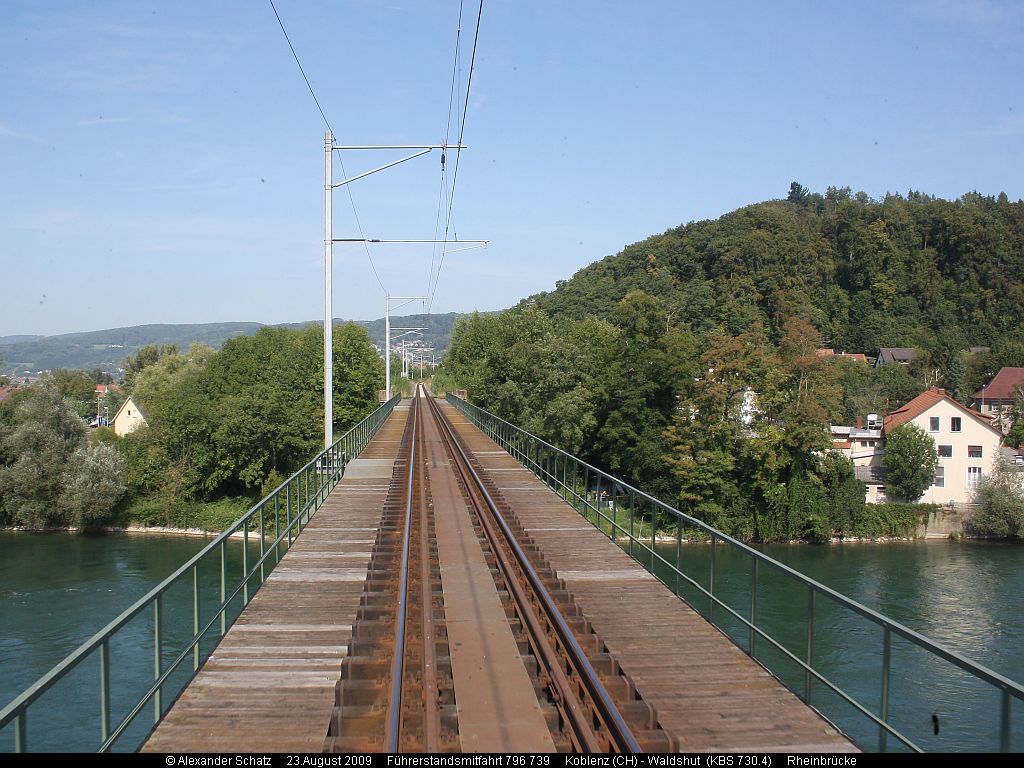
[[948, 520]]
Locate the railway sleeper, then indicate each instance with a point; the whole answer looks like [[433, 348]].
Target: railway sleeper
[[640, 715], [620, 687], [604, 664], [657, 740], [359, 693], [366, 668]]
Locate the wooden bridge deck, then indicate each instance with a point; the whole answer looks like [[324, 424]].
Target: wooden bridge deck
[[269, 685]]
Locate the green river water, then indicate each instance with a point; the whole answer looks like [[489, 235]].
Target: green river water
[[56, 590]]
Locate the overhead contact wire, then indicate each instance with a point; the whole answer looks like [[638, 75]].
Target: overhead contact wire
[[458, 152], [327, 122]]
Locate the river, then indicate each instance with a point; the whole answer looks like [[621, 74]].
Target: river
[[56, 590], [967, 596]]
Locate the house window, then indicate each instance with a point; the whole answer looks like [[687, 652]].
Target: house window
[[129, 411], [973, 477], [865, 444], [955, 423], [940, 477], [945, 451], [974, 451], [933, 424]]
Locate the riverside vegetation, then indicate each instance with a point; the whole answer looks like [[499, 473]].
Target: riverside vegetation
[[223, 429], [687, 363]]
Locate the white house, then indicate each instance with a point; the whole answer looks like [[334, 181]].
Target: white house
[[128, 418], [968, 444]]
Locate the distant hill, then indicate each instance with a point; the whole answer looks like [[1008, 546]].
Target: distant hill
[[437, 333], [107, 349], [17, 339]]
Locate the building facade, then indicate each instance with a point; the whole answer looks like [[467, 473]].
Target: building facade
[[128, 418], [967, 442]]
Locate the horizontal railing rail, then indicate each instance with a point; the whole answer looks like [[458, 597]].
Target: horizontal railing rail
[[579, 483], [274, 522]]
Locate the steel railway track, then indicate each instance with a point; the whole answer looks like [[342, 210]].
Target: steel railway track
[[396, 691]]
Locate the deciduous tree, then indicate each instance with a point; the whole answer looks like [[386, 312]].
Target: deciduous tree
[[910, 462]]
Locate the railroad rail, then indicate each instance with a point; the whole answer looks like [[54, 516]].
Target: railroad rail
[[399, 688]]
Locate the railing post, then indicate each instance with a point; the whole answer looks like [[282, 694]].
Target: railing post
[[158, 630], [104, 691], [711, 582], [277, 525], [305, 499], [223, 587], [288, 512], [20, 731], [263, 540], [753, 607], [883, 734], [196, 649], [810, 644], [245, 563], [1004, 723], [586, 499], [632, 516]]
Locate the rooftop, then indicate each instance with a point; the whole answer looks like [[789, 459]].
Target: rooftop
[[924, 402], [1002, 386]]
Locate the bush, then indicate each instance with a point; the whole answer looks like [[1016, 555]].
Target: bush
[[1001, 504], [890, 520], [93, 484], [162, 511]]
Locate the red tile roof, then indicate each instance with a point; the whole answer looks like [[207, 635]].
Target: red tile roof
[[1002, 385], [860, 357], [922, 403]]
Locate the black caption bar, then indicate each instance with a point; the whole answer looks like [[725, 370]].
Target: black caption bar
[[510, 760]]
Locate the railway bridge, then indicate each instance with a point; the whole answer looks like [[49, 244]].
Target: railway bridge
[[442, 581]]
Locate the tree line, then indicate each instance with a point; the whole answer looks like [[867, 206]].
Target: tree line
[[221, 429]]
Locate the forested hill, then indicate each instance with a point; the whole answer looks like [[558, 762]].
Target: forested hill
[[688, 363], [914, 271]]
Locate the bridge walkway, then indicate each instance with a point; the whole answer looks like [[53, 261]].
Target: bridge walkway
[[270, 684]]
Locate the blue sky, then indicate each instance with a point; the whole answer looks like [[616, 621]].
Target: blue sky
[[164, 163]]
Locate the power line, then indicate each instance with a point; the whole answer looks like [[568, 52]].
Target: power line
[[301, 70], [443, 187], [344, 174], [458, 152]]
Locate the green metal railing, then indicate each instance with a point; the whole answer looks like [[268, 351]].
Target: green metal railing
[[274, 522], [618, 509]]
